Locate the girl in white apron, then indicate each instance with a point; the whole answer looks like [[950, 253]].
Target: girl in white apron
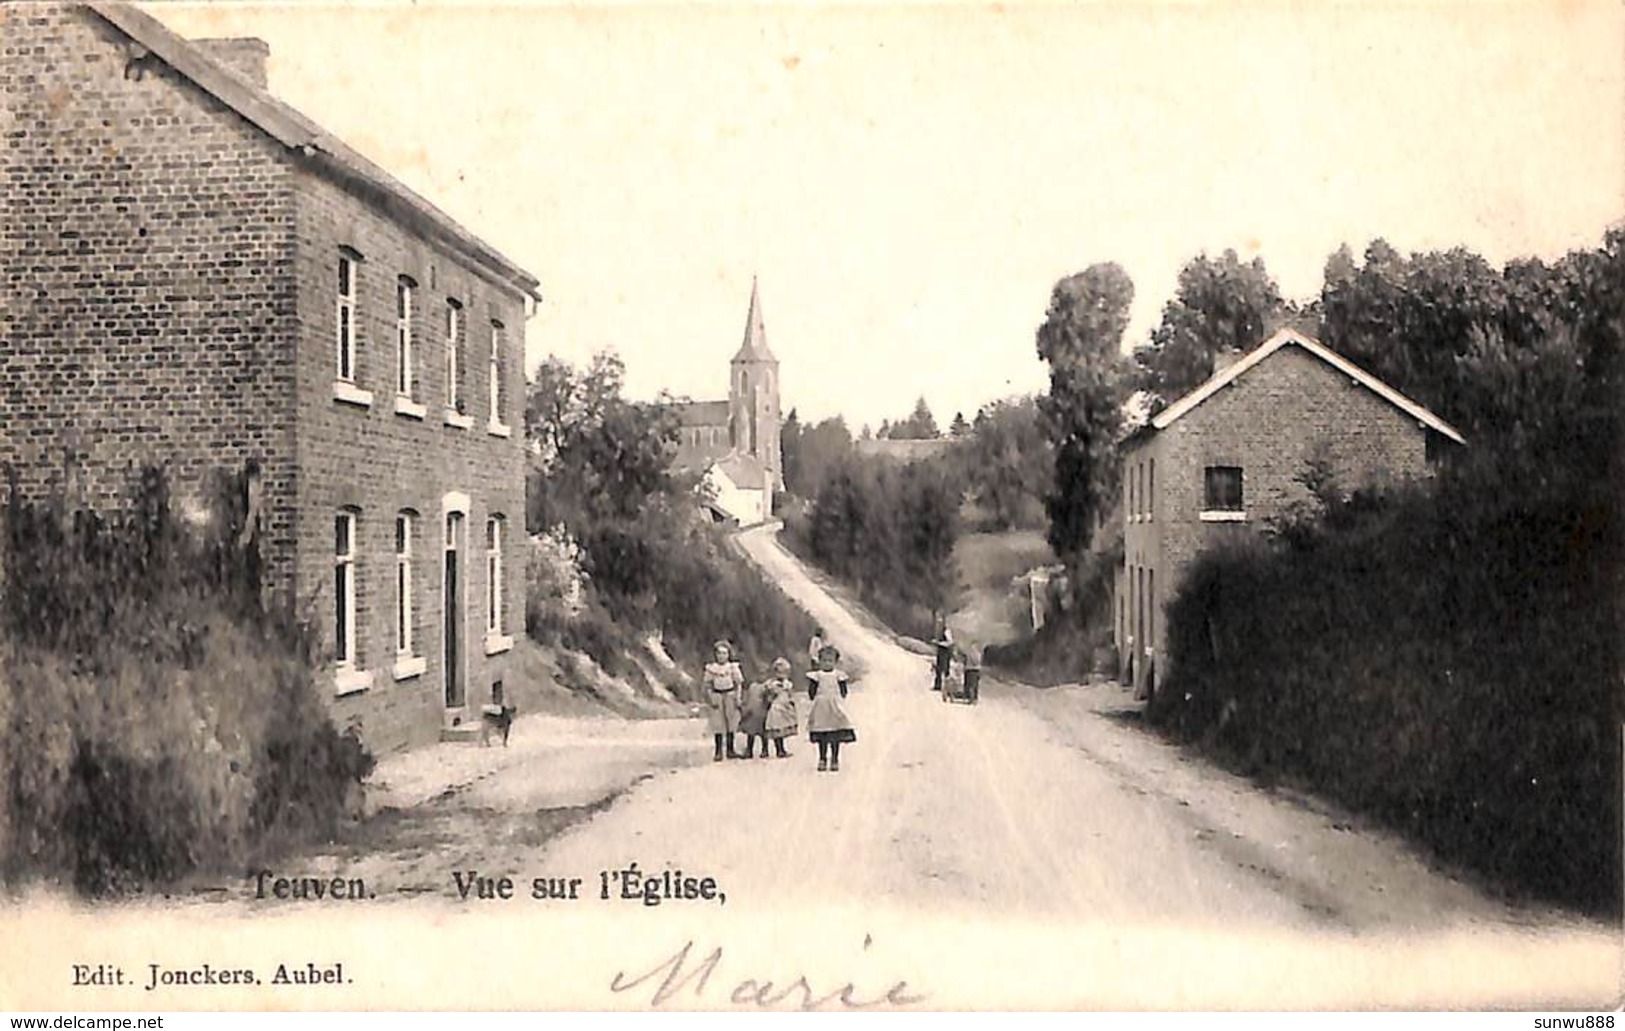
[[827, 724]]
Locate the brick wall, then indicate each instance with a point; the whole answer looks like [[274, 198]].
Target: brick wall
[[170, 297], [380, 462], [1269, 422], [147, 250]]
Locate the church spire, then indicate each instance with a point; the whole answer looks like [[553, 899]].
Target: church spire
[[754, 349]]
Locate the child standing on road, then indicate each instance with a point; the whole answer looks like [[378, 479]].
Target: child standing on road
[[779, 694], [828, 724], [753, 717], [723, 680]]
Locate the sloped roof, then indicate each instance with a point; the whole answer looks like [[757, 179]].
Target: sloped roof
[[1285, 338], [754, 349], [701, 413], [307, 140], [746, 471]]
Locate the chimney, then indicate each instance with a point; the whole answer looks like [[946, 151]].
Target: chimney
[[243, 55]]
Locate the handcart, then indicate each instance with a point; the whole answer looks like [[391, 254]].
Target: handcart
[[962, 685]]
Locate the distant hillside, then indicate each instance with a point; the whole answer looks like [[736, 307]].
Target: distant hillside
[[904, 451]]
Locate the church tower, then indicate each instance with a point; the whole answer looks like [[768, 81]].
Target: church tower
[[753, 397]]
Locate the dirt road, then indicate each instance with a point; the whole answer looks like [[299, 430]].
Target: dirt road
[[1038, 850], [1035, 808]]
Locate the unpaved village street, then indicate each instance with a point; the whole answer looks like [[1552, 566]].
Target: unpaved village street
[[1037, 849]]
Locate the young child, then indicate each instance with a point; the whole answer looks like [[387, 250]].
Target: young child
[[828, 724], [779, 695], [753, 717], [973, 671], [722, 679]]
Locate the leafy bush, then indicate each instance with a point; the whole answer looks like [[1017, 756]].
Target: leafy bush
[[624, 551], [1444, 659], [889, 531], [156, 719]]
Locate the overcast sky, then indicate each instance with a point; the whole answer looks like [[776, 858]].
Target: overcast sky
[[909, 182]]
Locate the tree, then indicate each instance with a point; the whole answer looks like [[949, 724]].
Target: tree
[[927, 520], [1221, 304], [920, 425], [820, 450], [1007, 463], [1082, 330], [597, 455], [790, 448], [1408, 320], [959, 427]]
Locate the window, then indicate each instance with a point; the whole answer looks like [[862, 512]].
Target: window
[[403, 337], [344, 642], [493, 578], [496, 373], [1151, 489], [346, 318], [403, 583], [454, 347], [1221, 489]]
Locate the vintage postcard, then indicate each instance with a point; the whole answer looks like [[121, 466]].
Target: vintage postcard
[[773, 507]]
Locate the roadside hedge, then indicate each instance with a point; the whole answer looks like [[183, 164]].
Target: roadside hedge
[[1445, 660]]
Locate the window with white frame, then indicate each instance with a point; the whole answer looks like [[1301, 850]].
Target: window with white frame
[[454, 347], [344, 588], [403, 337], [493, 577], [404, 526], [346, 334], [498, 340]]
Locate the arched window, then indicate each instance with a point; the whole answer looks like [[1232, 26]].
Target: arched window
[[406, 523], [404, 372], [454, 354], [498, 342], [345, 329], [345, 649], [493, 575]]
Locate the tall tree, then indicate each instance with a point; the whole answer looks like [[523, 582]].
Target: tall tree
[[598, 455], [920, 424], [1008, 463], [1220, 304], [790, 448], [1408, 320], [823, 446], [1082, 331]]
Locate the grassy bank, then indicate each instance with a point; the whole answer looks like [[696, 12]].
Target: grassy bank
[[156, 720], [1445, 661]]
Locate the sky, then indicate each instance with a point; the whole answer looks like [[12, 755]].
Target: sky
[[908, 182]]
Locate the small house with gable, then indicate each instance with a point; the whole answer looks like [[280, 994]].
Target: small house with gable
[[1228, 457]]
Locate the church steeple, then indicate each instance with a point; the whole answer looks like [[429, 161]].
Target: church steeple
[[754, 349], [753, 397]]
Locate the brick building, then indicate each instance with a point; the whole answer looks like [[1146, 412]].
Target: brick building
[[200, 277], [1225, 458]]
